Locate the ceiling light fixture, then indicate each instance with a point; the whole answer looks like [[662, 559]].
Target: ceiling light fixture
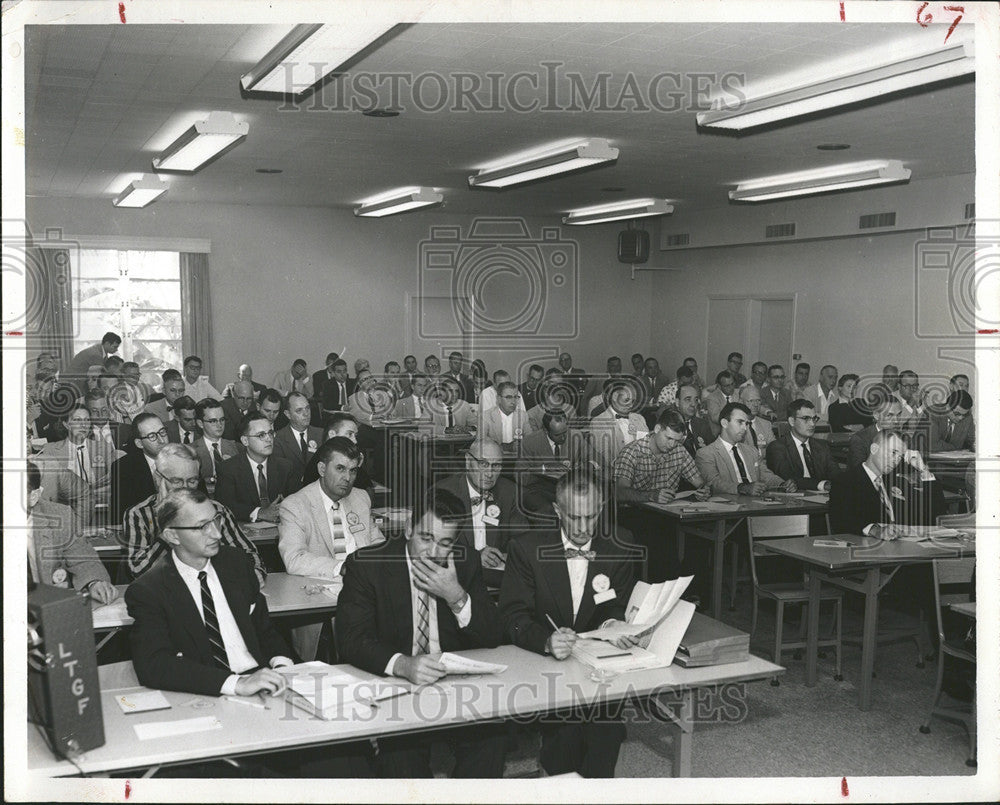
[[141, 192], [572, 158], [822, 180], [638, 208], [203, 142], [309, 53], [845, 87], [404, 200]]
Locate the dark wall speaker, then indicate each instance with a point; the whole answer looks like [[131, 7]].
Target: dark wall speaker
[[633, 246]]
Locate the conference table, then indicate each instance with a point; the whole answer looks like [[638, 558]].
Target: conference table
[[859, 567], [198, 728], [716, 521]]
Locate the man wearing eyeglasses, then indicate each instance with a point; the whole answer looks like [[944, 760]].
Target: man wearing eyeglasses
[[212, 449], [506, 423], [774, 397], [253, 485], [176, 469], [800, 457], [132, 474], [912, 400], [225, 644], [491, 503], [955, 429], [237, 407]]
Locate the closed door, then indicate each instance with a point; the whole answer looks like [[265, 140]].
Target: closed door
[[774, 333], [759, 328]]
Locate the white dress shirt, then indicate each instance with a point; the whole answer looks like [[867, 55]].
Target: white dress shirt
[[253, 471], [478, 526], [103, 433], [824, 399], [879, 483], [577, 567], [506, 427], [237, 654], [463, 616], [201, 389], [418, 410]]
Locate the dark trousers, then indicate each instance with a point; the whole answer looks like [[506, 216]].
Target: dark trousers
[[657, 538], [589, 747], [479, 753]]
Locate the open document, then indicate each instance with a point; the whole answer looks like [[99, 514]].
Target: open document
[[336, 691], [648, 605], [457, 664]]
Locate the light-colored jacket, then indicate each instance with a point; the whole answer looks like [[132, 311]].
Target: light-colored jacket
[[715, 464], [492, 426]]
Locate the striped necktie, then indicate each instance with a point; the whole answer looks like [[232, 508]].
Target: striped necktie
[[886, 503], [262, 487], [337, 532], [423, 623], [81, 463], [212, 623]]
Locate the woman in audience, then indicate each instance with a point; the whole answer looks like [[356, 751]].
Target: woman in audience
[[848, 413]]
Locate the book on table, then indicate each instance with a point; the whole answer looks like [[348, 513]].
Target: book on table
[[710, 642]]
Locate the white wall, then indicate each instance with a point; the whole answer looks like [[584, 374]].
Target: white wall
[[290, 282]]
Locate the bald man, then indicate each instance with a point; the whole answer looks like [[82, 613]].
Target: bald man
[[238, 406]]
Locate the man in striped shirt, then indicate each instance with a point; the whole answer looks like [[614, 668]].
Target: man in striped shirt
[[176, 468]]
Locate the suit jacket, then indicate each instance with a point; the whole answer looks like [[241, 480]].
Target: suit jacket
[[304, 537], [860, 444], [765, 435], [236, 484], [174, 432], [404, 410], [528, 396], [208, 470], [536, 584], [82, 361], [170, 647], [653, 385], [69, 489], [258, 389], [462, 414], [536, 450], [578, 377], [375, 612], [121, 435], [715, 464], [783, 460], [161, 409], [285, 383], [492, 425], [54, 458], [60, 546], [288, 446], [856, 503], [131, 483], [715, 401], [699, 434], [933, 430], [328, 392], [777, 401], [606, 437], [234, 416], [468, 391]]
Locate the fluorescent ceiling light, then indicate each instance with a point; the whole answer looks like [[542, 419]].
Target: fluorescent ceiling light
[[843, 88], [572, 158], [204, 141], [400, 201], [141, 192], [639, 208], [309, 53], [822, 180]]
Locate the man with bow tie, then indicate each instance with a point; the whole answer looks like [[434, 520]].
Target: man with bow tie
[[559, 583], [492, 505]]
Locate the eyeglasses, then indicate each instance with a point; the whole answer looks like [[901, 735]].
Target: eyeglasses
[[510, 396], [814, 419], [484, 465], [777, 377], [217, 421], [909, 385], [156, 435], [178, 483], [264, 434], [205, 528]]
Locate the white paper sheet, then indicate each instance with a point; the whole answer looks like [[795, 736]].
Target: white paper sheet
[[457, 664], [142, 702], [167, 729]]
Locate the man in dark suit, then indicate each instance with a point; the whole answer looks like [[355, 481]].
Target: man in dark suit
[[253, 485], [244, 373], [953, 430], [577, 377], [94, 355], [403, 602], [774, 396], [494, 515], [298, 442], [132, 474], [697, 431], [183, 428], [241, 404], [538, 466], [455, 360], [201, 622], [886, 417], [581, 580], [530, 387], [271, 404], [337, 389], [798, 456]]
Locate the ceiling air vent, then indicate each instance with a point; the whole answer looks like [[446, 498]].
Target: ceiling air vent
[[970, 211], [877, 220], [680, 239], [779, 231]]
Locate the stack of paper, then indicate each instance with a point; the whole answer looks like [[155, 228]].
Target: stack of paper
[[336, 691], [457, 664], [709, 642], [598, 654]]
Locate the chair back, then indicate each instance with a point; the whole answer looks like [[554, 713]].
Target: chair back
[[953, 583], [788, 525]]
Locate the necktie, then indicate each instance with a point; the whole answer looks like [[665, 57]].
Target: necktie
[[450, 421], [81, 463], [216, 456], [337, 529], [423, 623], [689, 443], [740, 465], [753, 435], [304, 444], [556, 450], [886, 503], [417, 411], [572, 553], [212, 623], [475, 500], [187, 437], [262, 487], [810, 469], [950, 432], [342, 395], [621, 416]]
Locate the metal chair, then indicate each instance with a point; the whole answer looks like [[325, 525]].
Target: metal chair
[[782, 593], [952, 583]]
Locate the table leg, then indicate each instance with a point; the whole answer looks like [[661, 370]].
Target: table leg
[[869, 637], [682, 739], [719, 543], [812, 635]]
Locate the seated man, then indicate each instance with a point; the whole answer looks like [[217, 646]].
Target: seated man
[[177, 468], [578, 579], [244, 373], [343, 424], [449, 412], [620, 424], [506, 423], [697, 431], [774, 397], [546, 454], [183, 428], [57, 552], [163, 406], [531, 386], [491, 503], [953, 430], [824, 393], [800, 457], [911, 397], [718, 397], [116, 434], [241, 404], [959, 383], [414, 406], [196, 384], [403, 602], [270, 403], [488, 396], [253, 485], [294, 379], [886, 417], [759, 433], [212, 449], [555, 393], [225, 644], [132, 474], [729, 466], [298, 442]]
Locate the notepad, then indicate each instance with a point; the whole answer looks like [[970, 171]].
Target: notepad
[[457, 664], [831, 543], [167, 729], [107, 616], [142, 702]]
